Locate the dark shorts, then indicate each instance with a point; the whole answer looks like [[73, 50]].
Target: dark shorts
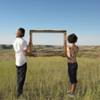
[[72, 72]]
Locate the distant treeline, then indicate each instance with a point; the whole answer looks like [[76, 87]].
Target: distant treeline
[[3, 46]]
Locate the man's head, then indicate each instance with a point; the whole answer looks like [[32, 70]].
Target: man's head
[[72, 38], [20, 32]]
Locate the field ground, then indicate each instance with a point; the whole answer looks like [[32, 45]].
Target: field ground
[[47, 77]]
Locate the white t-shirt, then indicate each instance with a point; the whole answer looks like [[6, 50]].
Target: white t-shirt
[[19, 46]]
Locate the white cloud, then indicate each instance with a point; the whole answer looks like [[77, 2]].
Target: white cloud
[[89, 39], [7, 40], [55, 39]]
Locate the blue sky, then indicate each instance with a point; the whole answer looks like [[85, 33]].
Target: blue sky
[[79, 16]]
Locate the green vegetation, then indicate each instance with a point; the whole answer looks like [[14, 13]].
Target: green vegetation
[[47, 78]]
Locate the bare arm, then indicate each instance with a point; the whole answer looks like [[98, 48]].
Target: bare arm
[[25, 47], [68, 53], [26, 51]]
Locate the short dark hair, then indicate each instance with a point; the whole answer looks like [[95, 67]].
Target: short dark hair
[[72, 38], [22, 30]]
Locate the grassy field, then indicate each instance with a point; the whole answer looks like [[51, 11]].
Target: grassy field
[[47, 77]]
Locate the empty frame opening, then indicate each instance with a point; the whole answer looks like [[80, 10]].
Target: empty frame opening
[[48, 42]]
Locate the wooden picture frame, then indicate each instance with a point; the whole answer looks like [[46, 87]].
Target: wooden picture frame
[[30, 45]]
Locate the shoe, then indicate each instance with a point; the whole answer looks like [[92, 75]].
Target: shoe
[[21, 98], [68, 92], [18, 95], [72, 95]]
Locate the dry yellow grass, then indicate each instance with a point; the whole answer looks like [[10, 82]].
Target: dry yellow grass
[[47, 79]]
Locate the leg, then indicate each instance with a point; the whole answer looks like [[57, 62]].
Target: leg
[[72, 91], [73, 88], [72, 71], [74, 78], [21, 74], [69, 74]]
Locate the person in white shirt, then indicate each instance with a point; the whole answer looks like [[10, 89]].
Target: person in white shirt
[[20, 48]]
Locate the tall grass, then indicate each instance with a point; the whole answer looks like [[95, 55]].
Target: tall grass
[[47, 79]]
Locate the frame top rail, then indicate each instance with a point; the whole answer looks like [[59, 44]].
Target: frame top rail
[[48, 31]]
